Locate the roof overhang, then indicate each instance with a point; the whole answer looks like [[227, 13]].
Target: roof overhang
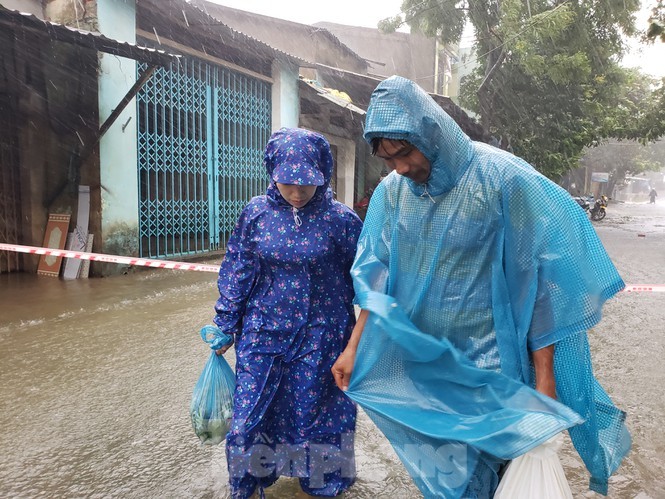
[[322, 110], [328, 95], [22, 21], [360, 88], [179, 20]]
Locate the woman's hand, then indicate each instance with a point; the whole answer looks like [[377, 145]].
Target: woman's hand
[[231, 340], [223, 350], [343, 368], [213, 336]]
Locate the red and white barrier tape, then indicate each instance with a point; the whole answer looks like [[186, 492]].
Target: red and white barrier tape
[[166, 264], [99, 257], [639, 288]]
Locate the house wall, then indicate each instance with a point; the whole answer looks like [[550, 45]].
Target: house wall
[[117, 148], [51, 94], [24, 126], [33, 146], [412, 56]]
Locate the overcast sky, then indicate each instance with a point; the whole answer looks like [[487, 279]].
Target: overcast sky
[[650, 58], [367, 13]]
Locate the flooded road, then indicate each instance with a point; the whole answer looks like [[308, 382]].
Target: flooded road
[[96, 378], [96, 381], [628, 346]]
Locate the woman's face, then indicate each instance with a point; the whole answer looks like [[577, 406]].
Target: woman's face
[[296, 195]]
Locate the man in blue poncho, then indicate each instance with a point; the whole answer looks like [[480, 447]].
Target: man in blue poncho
[[477, 278]]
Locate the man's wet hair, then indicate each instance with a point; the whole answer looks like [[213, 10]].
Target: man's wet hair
[[376, 142]]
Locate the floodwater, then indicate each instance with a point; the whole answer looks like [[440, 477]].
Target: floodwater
[[96, 378]]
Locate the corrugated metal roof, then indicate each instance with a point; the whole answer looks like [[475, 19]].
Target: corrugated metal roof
[[360, 88], [21, 20], [218, 12], [194, 17]]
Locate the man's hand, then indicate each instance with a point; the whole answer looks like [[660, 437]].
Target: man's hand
[[343, 368]]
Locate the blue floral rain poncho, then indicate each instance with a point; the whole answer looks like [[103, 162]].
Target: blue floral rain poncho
[[286, 294], [463, 276]]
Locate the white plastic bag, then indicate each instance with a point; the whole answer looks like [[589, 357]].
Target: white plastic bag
[[536, 474]]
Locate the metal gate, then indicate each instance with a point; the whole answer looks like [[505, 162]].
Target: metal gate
[[201, 135], [9, 187]]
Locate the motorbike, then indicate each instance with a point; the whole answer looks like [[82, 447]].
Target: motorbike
[[584, 202], [596, 208], [599, 211]]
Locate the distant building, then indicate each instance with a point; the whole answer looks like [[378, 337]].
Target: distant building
[[462, 62], [310, 43], [411, 55]]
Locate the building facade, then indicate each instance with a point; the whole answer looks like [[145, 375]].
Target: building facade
[[169, 137]]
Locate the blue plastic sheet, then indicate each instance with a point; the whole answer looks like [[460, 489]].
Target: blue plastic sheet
[[212, 401], [464, 276]]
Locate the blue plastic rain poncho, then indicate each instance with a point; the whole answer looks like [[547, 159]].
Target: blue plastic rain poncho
[[463, 276], [286, 294]]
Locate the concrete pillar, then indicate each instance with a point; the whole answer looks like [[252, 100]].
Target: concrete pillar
[[285, 100], [346, 163], [118, 146]]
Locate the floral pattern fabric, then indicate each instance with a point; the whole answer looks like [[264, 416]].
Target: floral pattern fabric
[[295, 155], [286, 294]]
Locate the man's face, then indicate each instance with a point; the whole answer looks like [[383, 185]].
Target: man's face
[[405, 159]]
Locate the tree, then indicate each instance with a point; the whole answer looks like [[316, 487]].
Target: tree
[[624, 158], [656, 29], [548, 78], [640, 109], [652, 124]]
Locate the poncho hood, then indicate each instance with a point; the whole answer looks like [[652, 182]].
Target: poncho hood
[[300, 157], [399, 109]]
